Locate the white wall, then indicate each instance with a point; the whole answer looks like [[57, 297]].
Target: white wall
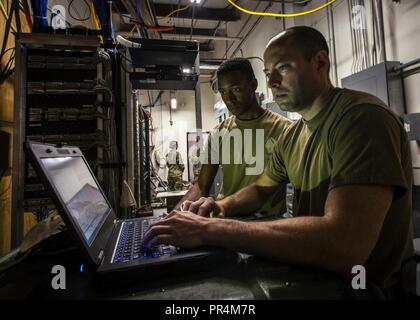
[[183, 119], [255, 44], [402, 30]]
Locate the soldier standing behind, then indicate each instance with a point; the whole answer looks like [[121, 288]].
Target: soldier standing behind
[[175, 167]]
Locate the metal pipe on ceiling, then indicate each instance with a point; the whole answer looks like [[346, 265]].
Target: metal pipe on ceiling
[[194, 37], [153, 15], [382, 29], [204, 37], [242, 28], [406, 65], [250, 31], [331, 31]]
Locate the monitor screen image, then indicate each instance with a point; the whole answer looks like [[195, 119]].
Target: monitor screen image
[[79, 192]]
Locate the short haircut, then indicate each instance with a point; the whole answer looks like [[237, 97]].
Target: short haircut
[[310, 40], [237, 64]]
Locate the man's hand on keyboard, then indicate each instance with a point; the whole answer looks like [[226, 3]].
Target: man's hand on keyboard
[[206, 207], [179, 228]]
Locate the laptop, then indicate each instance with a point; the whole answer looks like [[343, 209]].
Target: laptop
[[110, 244]]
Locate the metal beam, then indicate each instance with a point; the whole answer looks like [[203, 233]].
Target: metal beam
[[200, 13], [200, 31], [200, 37], [200, 34], [204, 46], [197, 34]]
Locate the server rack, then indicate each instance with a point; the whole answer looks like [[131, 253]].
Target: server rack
[[63, 95], [156, 65]]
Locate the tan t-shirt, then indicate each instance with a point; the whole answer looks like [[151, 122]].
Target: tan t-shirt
[[355, 139], [243, 161]]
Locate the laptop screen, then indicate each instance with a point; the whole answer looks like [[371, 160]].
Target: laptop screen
[[80, 193]]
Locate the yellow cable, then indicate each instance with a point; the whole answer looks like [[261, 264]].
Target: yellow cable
[[3, 10], [175, 11], [132, 30], [95, 19], [282, 15]]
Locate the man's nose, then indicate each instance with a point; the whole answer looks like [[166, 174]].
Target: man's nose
[[274, 79]]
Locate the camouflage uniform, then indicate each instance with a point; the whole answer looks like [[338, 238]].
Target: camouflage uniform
[[175, 172], [196, 169], [195, 161]]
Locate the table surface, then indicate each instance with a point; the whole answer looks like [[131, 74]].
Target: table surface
[[237, 277], [167, 194]]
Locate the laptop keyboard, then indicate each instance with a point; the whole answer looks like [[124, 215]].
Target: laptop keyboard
[[130, 243]]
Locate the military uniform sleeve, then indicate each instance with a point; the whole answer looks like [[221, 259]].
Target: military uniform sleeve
[[275, 169], [365, 148]]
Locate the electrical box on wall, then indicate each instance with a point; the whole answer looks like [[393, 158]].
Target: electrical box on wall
[[380, 81]]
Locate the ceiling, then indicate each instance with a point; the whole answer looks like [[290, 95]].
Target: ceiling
[[205, 21]]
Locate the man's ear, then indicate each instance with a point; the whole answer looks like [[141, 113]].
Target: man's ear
[[322, 61]]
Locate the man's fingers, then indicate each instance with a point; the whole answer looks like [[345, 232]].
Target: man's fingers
[[206, 208], [170, 214], [186, 205], [197, 204], [155, 230], [160, 239]]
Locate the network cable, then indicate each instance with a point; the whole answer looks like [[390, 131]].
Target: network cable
[[281, 15]]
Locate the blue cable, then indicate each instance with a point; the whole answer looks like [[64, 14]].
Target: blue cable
[[40, 13], [101, 7], [154, 102]]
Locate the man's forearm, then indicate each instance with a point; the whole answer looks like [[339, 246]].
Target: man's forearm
[[243, 202], [305, 240]]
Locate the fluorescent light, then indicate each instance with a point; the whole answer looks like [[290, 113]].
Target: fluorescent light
[[196, 1], [186, 70], [173, 103], [208, 67]]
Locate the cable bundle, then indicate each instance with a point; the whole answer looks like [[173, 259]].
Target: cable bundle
[[104, 14], [39, 9]]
